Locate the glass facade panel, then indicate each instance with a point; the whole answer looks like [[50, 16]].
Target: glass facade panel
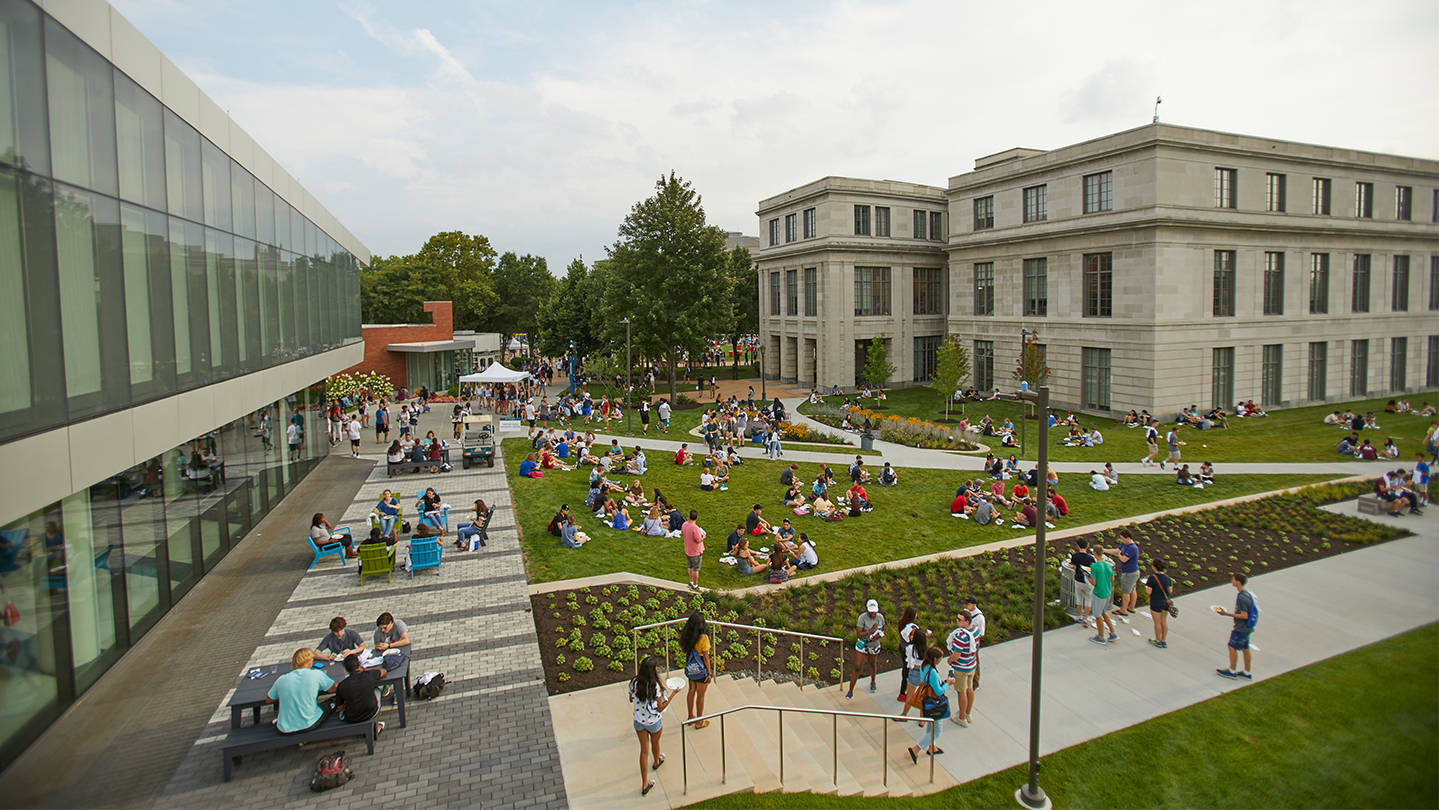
[[215, 172], [264, 214], [92, 301], [247, 297], [140, 137], [32, 396], [81, 90], [242, 200], [32, 560], [182, 169], [24, 141], [140, 491], [90, 522], [220, 286]]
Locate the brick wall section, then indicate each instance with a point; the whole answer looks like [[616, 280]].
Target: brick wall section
[[392, 364]]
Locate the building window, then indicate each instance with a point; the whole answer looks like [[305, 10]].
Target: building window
[[1398, 363], [1222, 381], [929, 296], [936, 226], [1403, 203], [1098, 285], [1399, 292], [1318, 283], [774, 293], [881, 220], [1226, 188], [790, 230], [791, 292], [1318, 370], [861, 220], [984, 288], [1223, 283], [1036, 287], [774, 232], [1271, 374], [1036, 204], [871, 291], [921, 219], [1431, 368], [811, 291], [1433, 282], [1359, 297], [1094, 371], [1274, 192], [1321, 196], [1098, 192], [984, 364], [809, 228], [1273, 283], [926, 357], [1359, 368], [1364, 200], [984, 213]]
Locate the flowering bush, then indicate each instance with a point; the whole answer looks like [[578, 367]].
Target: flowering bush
[[912, 432], [796, 432], [345, 386]]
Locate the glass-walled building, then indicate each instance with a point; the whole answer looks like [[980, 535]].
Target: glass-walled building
[[170, 301]]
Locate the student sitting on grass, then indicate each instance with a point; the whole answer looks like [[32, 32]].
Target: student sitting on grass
[[654, 524], [721, 474], [996, 489], [823, 508], [747, 561], [570, 534], [959, 507], [635, 495], [1110, 475], [530, 468], [1097, 481], [793, 497], [683, 456], [707, 480], [858, 491], [808, 557], [1206, 473], [616, 517], [1058, 506], [637, 465], [887, 476]]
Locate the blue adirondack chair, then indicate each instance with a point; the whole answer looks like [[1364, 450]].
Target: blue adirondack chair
[[425, 552], [336, 548]]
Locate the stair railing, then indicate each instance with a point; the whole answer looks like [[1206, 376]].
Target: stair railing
[[759, 646], [834, 715]]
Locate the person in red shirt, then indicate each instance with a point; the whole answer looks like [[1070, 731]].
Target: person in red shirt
[[694, 542], [683, 455], [1059, 503], [1027, 515], [959, 507], [1020, 491]]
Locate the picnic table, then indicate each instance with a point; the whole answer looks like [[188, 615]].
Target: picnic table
[[250, 692]]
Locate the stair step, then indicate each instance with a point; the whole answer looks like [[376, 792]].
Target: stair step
[[905, 778], [802, 769]]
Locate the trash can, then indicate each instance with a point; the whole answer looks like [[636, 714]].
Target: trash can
[[866, 442]]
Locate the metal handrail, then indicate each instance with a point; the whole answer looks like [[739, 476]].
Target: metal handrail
[[834, 714], [759, 648]]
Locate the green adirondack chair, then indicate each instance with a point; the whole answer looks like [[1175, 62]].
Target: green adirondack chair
[[376, 560]]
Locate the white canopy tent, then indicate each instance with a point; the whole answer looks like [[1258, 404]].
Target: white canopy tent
[[496, 373]]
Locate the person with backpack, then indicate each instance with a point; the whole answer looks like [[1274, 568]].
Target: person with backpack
[[699, 665], [650, 699], [1246, 617], [934, 703]]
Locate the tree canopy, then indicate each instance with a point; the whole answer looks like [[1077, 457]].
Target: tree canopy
[[951, 367], [450, 266], [877, 368], [744, 296]]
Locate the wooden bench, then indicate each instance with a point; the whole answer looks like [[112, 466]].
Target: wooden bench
[[393, 467], [1370, 504], [265, 737]]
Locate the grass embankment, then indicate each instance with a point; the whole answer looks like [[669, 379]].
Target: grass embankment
[[1357, 730], [1289, 435], [909, 520]]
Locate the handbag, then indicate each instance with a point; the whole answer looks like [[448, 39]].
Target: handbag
[[695, 668], [1173, 608], [935, 707]]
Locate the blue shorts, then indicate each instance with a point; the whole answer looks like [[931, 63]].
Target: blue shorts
[[1239, 639], [654, 729], [914, 677]]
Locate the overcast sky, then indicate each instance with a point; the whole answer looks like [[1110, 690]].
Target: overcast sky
[[539, 123]]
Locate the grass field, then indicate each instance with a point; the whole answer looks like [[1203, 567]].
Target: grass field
[[1292, 434], [909, 520], [1344, 732]]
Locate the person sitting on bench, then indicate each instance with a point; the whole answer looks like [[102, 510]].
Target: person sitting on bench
[[357, 697], [392, 640], [297, 692], [339, 642]]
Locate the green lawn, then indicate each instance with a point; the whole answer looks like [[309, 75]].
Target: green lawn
[[1292, 434], [1357, 730], [909, 520]]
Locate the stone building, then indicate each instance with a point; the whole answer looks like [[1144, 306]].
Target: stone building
[[1160, 266]]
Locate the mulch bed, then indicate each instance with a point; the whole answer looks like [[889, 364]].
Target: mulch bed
[[1201, 549]]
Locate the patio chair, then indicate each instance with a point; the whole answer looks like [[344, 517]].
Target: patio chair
[[376, 560], [335, 548], [425, 552], [429, 517]]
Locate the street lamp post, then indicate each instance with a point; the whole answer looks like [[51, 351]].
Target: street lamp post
[[629, 420], [1030, 794]]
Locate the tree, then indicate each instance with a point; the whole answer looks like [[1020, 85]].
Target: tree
[[744, 298], [462, 268], [877, 368], [522, 284], [393, 290], [566, 314], [667, 273], [950, 368], [1031, 367]]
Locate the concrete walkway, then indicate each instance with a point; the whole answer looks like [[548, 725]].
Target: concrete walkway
[[1308, 613]]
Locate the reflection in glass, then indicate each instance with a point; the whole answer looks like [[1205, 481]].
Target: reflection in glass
[[247, 298], [140, 133], [82, 111], [141, 490], [215, 171], [29, 689], [24, 141], [91, 299], [242, 197], [90, 521], [182, 168]]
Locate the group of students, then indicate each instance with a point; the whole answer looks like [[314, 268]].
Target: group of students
[[1398, 490], [973, 501], [430, 452], [792, 553], [357, 697], [855, 501]]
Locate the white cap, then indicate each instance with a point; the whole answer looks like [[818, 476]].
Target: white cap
[[871, 606]]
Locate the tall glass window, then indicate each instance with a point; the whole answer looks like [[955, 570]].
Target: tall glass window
[[1431, 367], [921, 224], [1098, 285], [984, 288], [1271, 378], [24, 140], [929, 292], [791, 227], [247, 296], [1098, 192], [92, 315], [1226, 188], [1398, 363], [984, 364], [1274, 192], [150, 342], [809, 223], [140, 136], [791, 292], [926, 356], [215, 172], [1318, 283], [1223, 283], [1273, 283], [219, 290], [32, 563], [1318, 370], [984, 213], [1036, 287], [1222, 380], [811, 291], [861, 220], [1360, 298], [93, 552], [1036, 203], [81, 88], [183, 182], [33, 392], [881, 220], [774, 293], [242, 200], [1358, 368], [1095, 373], [871, 291], [1399, 290]]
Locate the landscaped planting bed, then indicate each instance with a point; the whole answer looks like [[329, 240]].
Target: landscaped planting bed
[[1201, 548]]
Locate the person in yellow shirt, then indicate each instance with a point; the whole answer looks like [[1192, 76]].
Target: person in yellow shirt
[[699, 665]]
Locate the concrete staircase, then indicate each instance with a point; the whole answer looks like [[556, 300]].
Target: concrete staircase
[[600, 753]]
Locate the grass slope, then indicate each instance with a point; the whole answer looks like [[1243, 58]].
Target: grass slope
[[1292, 434], [909, 520], [1345, 732]]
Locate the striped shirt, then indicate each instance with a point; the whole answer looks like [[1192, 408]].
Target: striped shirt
[[963, 649]]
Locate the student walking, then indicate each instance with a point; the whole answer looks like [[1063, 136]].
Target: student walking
[[1172, 439], [699, 666], [649, 699], [977, 624], [1151, 441], [869, 629], [1246, 616], [929, 678]]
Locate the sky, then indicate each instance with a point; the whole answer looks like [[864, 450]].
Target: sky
[[539, 123]]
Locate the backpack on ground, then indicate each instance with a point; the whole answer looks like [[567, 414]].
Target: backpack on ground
[[330, 772], [430, 686]]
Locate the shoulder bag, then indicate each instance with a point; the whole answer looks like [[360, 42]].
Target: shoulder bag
[[1173, 608], [935, 707]]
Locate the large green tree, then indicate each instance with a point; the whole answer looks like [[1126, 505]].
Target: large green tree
[[522, 284], [668, 274], [567, 314], [393, 290], [744, 297], [450, 266]]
